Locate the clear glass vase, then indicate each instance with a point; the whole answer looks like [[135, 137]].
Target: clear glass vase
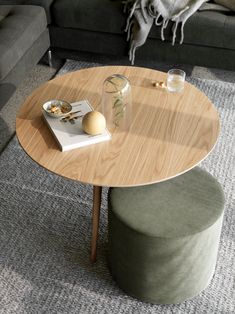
[[117, 102]]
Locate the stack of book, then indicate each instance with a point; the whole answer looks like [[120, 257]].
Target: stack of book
[[68, 130]]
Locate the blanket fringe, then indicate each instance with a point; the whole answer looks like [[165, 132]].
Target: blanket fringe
[[142, 14]]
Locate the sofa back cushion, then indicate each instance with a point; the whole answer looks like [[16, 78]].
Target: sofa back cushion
[[227, 3], [10, 2], [206, 28], [93, 15]]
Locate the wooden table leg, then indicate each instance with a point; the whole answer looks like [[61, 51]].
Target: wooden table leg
[[97, 190]]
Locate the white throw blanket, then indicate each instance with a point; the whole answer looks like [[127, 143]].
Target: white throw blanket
[[144, 13]]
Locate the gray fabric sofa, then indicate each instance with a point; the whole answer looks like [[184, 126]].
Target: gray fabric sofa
[[98, 26], [24, 38]]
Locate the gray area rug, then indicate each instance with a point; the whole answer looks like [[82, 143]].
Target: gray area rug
[[40, 74], [45, 228]]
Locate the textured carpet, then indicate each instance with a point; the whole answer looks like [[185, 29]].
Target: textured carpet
[[40, 74], [45, 227]]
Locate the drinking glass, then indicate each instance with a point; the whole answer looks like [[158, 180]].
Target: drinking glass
[[175, 80]]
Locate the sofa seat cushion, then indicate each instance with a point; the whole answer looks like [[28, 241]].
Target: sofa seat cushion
[[93, 15], [207, 28], [4, 10], [21, 27]]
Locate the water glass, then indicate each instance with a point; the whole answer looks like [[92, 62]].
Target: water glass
[[175, 80]]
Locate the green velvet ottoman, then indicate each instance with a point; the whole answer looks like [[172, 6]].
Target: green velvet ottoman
[[163, 238]]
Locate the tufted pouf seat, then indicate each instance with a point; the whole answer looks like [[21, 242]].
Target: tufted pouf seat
[[163, 238]]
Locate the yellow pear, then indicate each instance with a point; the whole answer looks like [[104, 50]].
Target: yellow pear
[[93, 123]]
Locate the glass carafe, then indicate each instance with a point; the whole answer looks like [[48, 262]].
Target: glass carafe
[[117, 102]]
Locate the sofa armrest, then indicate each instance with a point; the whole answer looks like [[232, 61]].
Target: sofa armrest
[[46, 4]]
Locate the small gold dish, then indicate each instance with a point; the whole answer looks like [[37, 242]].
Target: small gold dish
[[57, 108]]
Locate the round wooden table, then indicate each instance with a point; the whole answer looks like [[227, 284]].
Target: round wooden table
[[169, 135]]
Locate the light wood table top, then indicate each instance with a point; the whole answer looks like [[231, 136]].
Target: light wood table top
[[170, 133]]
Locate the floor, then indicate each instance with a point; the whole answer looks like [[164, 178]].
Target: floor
[[42, 73]]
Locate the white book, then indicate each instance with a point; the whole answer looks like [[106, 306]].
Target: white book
[[69, 133]]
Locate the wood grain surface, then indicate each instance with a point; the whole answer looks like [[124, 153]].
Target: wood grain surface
[[170, 133]]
